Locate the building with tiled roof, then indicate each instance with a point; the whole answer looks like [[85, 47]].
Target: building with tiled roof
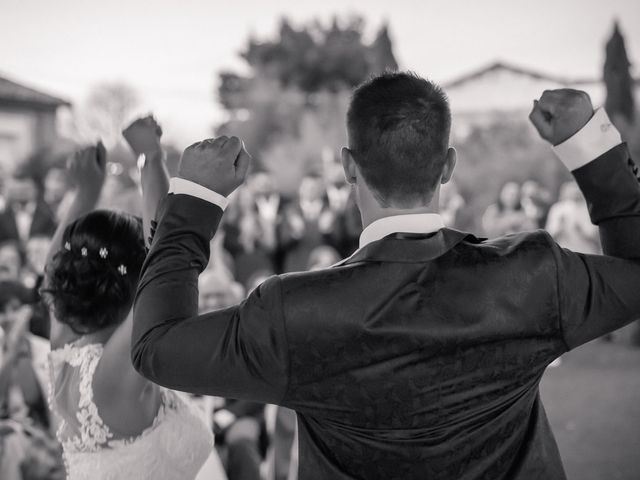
[[504, 86], [16, 94], [27, 121], [502, 89]]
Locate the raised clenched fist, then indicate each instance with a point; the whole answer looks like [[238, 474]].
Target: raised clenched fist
[[87, 169], [143, 136], [560, 114], [219, 164]]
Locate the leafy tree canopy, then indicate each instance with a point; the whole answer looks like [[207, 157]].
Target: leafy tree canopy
[[313, 58], [295, 94]]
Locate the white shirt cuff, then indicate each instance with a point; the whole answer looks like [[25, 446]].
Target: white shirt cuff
[[595, 138], [187, 187]]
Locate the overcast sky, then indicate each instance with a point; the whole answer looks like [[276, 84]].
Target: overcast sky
[[170, 50]]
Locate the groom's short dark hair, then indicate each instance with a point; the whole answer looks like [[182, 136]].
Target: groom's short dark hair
[[399, 126]]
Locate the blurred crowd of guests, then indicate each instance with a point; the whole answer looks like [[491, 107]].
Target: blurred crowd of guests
[[529, 206], [264, 232]]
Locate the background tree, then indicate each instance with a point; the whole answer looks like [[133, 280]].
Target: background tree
[[617, 78], [382, 50], [621, 108], [107, 108], [291, 105]]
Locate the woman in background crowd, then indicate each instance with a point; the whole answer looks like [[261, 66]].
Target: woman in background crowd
[[569, 223], [536, 201], [506, 215]]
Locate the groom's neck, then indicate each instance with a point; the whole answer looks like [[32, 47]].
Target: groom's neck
[[372, 210], [370, 215]]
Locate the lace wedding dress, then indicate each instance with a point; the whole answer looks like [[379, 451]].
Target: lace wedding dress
[[174, 447]]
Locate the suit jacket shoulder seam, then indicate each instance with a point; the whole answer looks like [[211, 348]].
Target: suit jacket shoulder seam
[[554, 254], [286, 338]]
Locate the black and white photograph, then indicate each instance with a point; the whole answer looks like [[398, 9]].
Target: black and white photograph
[[336, 240]]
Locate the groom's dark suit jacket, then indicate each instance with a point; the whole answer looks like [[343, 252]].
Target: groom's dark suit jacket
[[419, 356]]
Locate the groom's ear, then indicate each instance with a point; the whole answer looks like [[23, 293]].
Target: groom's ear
[[349, 166], [449, 165]]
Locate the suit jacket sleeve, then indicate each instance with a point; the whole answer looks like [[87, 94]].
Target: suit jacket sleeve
[[239, 352], [600, 293]]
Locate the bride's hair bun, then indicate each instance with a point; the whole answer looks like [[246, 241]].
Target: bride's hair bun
[[91, 281]]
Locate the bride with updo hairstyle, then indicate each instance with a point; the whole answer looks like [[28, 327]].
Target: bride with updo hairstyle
[[92, 280], [113, 423]]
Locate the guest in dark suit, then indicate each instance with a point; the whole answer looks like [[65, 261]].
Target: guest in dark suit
[[25, 215], [347, 224], [420, 355], [308, 224], [250, 229]]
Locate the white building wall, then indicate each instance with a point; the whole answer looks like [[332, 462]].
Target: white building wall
[[502, 93], [18, 137], [507, 90]]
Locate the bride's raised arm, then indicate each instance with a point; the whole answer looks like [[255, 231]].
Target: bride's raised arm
[[86, 170], [115, 372], [143, 136]]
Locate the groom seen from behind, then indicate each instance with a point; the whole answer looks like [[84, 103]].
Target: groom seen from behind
[[421, 354]]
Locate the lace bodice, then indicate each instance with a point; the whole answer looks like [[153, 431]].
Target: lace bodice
[[174, 447]]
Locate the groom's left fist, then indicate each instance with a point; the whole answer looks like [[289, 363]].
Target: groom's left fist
[[560, 114], [219, 164]]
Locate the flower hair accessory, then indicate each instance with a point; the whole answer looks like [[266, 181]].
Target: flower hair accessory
[[103, 253]]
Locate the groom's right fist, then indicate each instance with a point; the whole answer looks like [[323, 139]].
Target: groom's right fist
[[219, 164], [560, 114]]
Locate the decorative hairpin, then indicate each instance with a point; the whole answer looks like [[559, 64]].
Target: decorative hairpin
[[103, 252]]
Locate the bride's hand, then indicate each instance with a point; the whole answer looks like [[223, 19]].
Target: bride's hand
[[87, 169], [143, 136]]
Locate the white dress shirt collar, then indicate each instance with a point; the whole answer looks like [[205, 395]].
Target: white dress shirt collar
[[410, 223]]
